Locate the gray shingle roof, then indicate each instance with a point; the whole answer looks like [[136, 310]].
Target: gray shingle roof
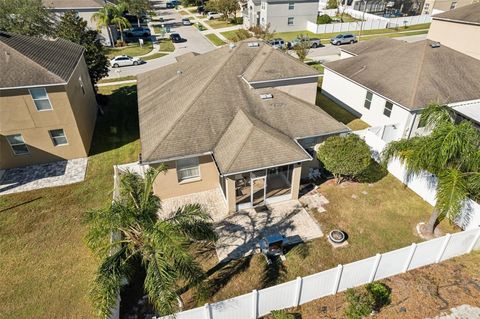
[[70, 4], [203, 104], [371, 45], [29, 61], [468, 14], [414, 74]]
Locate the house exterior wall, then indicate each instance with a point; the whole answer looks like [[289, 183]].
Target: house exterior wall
[[277, 15], [444, 5], [448, 33], [352, 96], [251, 15], [167, 184]]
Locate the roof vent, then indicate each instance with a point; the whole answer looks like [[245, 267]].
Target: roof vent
[[231, 46], [253, 45], [266, 96], [179, 72], [435, 44]]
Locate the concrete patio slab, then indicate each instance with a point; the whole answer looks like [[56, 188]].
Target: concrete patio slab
[[33, 177]]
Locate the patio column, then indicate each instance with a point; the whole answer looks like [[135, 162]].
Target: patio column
[[230, 192], [296, 174]]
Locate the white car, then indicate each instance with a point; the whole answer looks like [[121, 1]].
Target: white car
[[124, 60], [213, 15]]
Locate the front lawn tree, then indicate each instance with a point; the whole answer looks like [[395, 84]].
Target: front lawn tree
[[130, 229], [225, 7], [26, 17], [302, 48], [137, 8], [450, 152], [73, 28], [345, 156]]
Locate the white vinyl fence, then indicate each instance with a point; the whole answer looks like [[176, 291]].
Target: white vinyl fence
[[302, 290]]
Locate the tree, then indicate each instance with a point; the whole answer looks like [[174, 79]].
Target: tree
[[27, 17], [225, 7], [345, 156], [324, 19], [302, 47], [137, 8], [332, 4], [130, 229], [118, 19], [450, 152], [262, 32], [103, 19], [73, 28]]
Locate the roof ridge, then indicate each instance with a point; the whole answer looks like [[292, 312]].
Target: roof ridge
[[200, 92], [253, 59], [419, 71]]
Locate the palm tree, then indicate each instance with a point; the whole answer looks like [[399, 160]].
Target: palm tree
[[103, 19], [451, 152], [161, 244], [118, 18]]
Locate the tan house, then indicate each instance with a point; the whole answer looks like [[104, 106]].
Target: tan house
[[47, 102], [241, 119], [458, 29], [438, 6]]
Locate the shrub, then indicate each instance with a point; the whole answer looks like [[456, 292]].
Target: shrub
[[361, 303], [380, 294], [345, 156], [332, 4], [324, 19], [240, 35], [282, 314]]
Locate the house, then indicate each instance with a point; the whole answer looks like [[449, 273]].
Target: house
[[282, 15], [85, 9], [388, 82], [241, 119], [47, 102], [437, 6], [370, 6], [458, 29]]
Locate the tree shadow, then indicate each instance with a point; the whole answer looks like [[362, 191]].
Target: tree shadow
[[117, 122], [373, 173]]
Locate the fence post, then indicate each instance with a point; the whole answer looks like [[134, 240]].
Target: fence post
[[207, 312], [410, 257], [474, 241], [298, 291], [338, 276], [443, 248], [378, 257], [254, 304]]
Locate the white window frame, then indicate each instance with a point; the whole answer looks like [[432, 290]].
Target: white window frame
[[388, 109], [188, 167], [82, 86], [291, 6], [54, 138], [288, 20], [367, 100], [12, 145], [48, 99]]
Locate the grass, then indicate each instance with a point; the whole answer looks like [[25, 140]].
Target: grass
[[346, 18], [166, 45], [123, 78], [316, 65], [231, 35], [184, 13], [218, 24], [215, 39], [45, 268], [289, 36], [132, 49], [154, 56]]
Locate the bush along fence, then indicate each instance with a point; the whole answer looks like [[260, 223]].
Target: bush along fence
[[424, 184], [329, 282]]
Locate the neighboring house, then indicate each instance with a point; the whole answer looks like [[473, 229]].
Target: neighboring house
[[386, 81], [458, 29], [239, 119], [85, 9], [282, 15], [438, 6], [369, 6], [47, 102]]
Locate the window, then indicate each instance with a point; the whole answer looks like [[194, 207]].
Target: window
[[58, 137], [291, 5], [368, 100], [40, 98], [263, 5], [290, 21], [17, 144], [81, 85], [187, 168], [388, 109]]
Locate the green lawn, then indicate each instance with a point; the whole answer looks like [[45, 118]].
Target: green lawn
[[230, 35], [45, 268], [132, 49], [154, 56], [346, 18], [166, 45], [218, 24], [123, 78], [316, 65], [214, 39]]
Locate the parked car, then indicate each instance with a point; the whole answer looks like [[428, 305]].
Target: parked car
[[137, 32], [343, 39], [213, 15], [314, 42], [186, 21], [125, 60], [176, 38], [278, 43], [201, 9]]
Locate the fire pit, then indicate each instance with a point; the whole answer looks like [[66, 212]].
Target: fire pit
[[337, 236]]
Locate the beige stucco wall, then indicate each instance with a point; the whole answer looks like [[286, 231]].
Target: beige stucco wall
[[443, 5], [458, 36], [306, 91], [18, 115], [167, 184]]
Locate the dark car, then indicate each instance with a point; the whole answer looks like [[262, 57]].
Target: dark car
[[176, 38], [170, 5]]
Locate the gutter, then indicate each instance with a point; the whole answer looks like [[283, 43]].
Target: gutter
[[281, 80]]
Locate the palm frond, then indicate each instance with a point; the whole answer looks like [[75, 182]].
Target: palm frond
[[435, 114], [452, 190], [194, 222]]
